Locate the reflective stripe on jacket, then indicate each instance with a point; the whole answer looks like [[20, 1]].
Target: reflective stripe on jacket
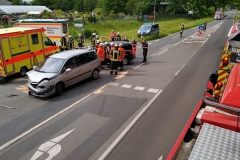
[[115, 55]]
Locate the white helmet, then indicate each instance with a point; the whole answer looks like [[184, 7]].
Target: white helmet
[[116, 45], [94, 34], [120, 44], [64, 35], [106, 43], [98, 41], [69, 36], [182, 23], [101, 44], [118, 33], [80, 35], [112, 43]]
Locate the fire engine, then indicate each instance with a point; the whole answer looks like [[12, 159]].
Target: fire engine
[[212, 132], [21, 48]]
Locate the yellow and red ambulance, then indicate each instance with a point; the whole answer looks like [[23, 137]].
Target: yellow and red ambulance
[[21, 48], [54, 28]]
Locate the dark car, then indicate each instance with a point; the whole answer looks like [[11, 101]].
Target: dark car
[[128, 50]]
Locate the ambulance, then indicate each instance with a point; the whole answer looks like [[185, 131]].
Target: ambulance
[[22, 48], [54, 28]]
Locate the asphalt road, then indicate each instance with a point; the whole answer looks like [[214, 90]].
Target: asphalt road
[[90, 116]]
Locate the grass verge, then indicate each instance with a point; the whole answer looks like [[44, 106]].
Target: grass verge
[[130, 28]]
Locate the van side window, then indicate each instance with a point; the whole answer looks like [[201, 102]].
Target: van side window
[[34, 38], [69, 64], [81, 59], [92, 56]]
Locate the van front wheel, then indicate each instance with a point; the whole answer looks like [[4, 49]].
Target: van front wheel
[[59, 89]]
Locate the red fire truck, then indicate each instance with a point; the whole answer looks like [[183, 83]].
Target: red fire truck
[[212, 132]]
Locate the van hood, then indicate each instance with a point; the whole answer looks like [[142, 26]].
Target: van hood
[[143, 30], [34, 76]]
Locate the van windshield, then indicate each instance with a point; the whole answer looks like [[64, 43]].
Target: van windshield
[[144, 27], [51, 65]]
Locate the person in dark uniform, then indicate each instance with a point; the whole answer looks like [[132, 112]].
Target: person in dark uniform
[[114, 55], [145, 50], [70, 42], [80, 41], [63, 41]]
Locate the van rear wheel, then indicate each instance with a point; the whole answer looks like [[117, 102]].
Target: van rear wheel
[[23, 71], [95, 74], [59, 89], [125, 61]]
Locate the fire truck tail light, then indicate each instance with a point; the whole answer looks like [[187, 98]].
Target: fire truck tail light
[[225, 61], [219, 85]]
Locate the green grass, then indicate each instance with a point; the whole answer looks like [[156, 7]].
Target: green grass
[[130, 28]]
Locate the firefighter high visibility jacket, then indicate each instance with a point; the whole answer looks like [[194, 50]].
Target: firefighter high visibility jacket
[[115, 55], [63, 41], [101, 53], [122, 53]]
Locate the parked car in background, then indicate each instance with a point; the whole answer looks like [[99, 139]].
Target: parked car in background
[[62, 70], [148, 29]]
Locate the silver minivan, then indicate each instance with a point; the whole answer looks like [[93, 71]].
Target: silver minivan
[[62, 70]]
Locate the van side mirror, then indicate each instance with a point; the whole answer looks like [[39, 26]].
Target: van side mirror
[[67, 70], [209, 94], [34, 67]]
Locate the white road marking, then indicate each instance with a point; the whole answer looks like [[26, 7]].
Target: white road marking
[[114, 84], [130, 125], [138, 66], [126, 86], [162, 51], [177, 43], [51, 147], [152, 90], [157, 40], [193, 54], [150, 43], [47, 120], [6, 106], [179, 70], [139, 88], [160, 158]]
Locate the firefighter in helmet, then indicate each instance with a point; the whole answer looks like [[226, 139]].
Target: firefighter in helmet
[[63, 41], [70, 42], [114, 60]]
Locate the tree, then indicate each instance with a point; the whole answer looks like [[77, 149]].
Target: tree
[[16, 2]]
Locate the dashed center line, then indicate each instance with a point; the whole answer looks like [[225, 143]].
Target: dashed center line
[[153, 90], [162, 51], [139, 88], [126, 86], [114, 84]]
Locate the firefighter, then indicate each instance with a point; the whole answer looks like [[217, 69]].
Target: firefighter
[[97, 45], [182, 28], [101, 54], [134, 46], [80, 41], [121, 57], [114, 59], [118, 37], [107, 51], [112, 35], [112, 46], [70, 42], [63, 41], [93, 40]]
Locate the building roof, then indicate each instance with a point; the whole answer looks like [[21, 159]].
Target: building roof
[[5, 2], [5, 9]]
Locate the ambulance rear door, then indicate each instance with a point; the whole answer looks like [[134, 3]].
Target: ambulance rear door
[[6, 55]]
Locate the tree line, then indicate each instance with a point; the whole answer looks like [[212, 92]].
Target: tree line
[[136, 7]]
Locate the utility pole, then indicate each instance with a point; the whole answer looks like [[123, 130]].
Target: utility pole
[[154, 11]]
